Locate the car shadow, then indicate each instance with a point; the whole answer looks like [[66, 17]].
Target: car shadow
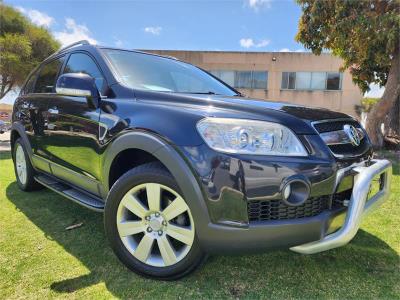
[[340, 268]]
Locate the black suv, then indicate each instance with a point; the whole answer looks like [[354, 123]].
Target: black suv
[[183, 165]]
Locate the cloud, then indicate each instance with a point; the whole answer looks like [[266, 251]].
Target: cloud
[[155, 30], [37, 17], [246, 43], [284, 50], [256, 5], [249, 43], [74, 32], [118, 42]]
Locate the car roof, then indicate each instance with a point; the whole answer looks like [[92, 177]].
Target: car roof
[[86, 45]]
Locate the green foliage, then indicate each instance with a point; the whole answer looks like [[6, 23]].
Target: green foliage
[[366, 105], [364, 34], [23, 46]]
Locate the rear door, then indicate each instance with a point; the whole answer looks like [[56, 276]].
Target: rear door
[[33, 108], [73, 130]]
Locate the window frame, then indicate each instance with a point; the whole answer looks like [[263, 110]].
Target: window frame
[[68, 56]]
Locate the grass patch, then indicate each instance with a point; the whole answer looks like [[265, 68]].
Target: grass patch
[[40, 259]]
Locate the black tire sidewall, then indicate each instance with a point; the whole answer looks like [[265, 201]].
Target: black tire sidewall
[[136, 176]]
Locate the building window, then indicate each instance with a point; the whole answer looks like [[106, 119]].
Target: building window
[[226, 76], [333, 81], [260, 80], [318, 80], [303, 80], [288, 80], [311, 81], [243, 79]]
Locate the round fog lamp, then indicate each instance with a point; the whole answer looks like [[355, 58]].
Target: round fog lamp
[[287, 191]]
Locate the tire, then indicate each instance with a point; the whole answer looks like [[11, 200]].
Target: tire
[[133, 250], [24, 171]]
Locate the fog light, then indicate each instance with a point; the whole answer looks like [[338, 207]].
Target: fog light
[[286, 192], [295, 191]]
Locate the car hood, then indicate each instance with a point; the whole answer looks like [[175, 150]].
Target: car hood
[[297, 117], [299, 111]]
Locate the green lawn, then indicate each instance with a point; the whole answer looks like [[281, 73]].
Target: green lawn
[[40, 259]]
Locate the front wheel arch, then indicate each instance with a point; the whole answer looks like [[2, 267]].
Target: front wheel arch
[[173, 162]]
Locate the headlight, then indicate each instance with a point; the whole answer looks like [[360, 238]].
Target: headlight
[[249, 137]]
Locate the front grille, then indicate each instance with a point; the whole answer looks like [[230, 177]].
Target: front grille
[[278, 210], [334, 125], [343, 150], [267, 210]]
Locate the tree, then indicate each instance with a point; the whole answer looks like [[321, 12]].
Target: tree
[[23, 46], [365, 34]]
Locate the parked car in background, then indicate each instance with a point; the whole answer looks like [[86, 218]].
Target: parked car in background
[[182, 165], [3, 127], [4, 115]]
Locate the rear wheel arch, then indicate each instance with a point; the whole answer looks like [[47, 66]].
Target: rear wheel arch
[[18, 131]]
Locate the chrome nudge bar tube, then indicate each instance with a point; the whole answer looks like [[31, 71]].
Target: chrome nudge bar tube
[[357, 208]]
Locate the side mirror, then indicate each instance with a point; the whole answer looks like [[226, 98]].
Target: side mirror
[[79, 85]]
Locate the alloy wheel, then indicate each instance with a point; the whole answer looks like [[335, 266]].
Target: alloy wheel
[[155, 224], [20, 164]]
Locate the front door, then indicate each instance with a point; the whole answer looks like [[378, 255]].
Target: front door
[[73, 131]]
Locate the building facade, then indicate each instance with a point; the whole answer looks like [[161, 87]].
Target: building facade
[[300, 78]]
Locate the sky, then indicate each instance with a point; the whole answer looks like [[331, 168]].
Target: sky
[[219, 25]]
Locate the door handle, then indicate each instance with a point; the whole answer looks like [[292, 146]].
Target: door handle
[[53, 111]]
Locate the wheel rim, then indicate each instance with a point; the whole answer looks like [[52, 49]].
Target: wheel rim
[[155, 224], [20, 164]]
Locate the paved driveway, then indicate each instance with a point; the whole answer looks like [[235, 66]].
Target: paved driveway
[[5, 141]]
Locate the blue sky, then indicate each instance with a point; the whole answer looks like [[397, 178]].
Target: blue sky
[[251, 25], [238, 25]]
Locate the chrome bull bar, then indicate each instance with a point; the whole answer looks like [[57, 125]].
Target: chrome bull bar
[[358, 205]]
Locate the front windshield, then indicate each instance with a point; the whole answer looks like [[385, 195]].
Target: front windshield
[[149, 72]]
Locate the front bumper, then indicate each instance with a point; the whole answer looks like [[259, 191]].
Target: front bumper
[[358, 205]]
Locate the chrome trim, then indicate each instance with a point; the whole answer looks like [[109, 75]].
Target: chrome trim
[[339, 137], [333, 120], [358, 205], [73, 92], [339, 120]]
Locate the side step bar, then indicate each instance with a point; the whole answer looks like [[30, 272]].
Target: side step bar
[[71, 193]]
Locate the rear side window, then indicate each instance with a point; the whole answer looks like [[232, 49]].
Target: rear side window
[[82, 63], [28, 88], [47, 76]]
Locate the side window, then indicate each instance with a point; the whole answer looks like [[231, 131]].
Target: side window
[[82, 63], [28, 88], [47, 76]]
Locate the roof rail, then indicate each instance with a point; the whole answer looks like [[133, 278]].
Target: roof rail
[[82, 42]]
